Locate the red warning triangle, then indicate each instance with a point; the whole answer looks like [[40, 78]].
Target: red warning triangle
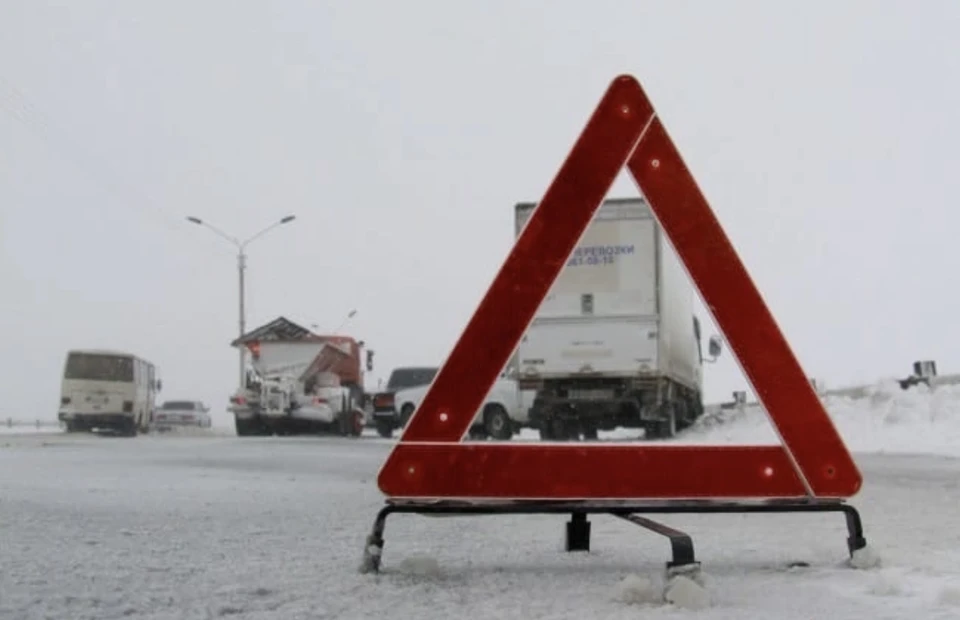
[[430, 460]]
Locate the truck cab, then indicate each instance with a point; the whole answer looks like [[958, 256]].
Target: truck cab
[[502, 415]]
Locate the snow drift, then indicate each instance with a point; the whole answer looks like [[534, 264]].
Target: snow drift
[[919, 420]]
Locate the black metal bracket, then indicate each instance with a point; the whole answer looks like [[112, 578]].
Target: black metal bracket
[[578, 528], [681, 544]]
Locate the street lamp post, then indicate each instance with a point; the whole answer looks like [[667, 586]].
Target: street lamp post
[[241, 268]]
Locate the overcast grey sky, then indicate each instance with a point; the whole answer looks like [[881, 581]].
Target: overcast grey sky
[[402, 133]]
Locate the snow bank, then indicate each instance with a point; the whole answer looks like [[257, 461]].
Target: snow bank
[[887, 419], [28, 429], [190, 431]]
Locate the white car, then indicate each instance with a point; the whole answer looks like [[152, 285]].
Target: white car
[[503, 414], [181, 413]]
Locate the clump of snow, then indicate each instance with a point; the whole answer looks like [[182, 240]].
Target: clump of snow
[[686, 593], [887, 585], [690, 571], [371, 557], [885, 418], [639, 590], [949, 596], [422, 566], [682, 591], [865, 558]]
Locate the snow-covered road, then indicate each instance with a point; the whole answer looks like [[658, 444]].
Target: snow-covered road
[[194, 527]]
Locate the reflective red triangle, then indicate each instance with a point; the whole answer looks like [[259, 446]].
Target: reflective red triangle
[[429, 461]]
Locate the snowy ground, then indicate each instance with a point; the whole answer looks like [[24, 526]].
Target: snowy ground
[[218, 526]]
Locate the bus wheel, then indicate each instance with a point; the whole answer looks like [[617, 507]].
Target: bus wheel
[[130, 428], [357, 423]]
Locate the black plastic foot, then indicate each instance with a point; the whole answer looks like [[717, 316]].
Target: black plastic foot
[[855, 537], [371, 555], [373, 549], [578, 532]]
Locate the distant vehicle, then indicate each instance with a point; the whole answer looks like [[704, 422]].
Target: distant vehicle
[[503, 414], [181, 413], [107, 390], [386, 415], [290, 366], [313, 401], [616, 342]]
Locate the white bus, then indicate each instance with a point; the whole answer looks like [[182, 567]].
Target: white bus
[[107, 390]]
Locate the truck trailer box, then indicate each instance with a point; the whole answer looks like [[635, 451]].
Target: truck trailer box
[[619, 317], [621, 306]]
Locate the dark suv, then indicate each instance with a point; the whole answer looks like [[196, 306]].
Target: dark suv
[[385, 415]]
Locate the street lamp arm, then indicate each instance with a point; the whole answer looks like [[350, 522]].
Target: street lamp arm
[[280, 222], [217, 231], [241, 266]]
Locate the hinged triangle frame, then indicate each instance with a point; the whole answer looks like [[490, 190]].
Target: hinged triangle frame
[[430, 461]]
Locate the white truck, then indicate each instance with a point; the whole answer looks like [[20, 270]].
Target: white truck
[[295, 382], [503, 414], [308, 397], [616, 342]]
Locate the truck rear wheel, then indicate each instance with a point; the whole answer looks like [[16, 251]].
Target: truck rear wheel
[[556, 428], [590, 432], [666, 427], [693, 406]]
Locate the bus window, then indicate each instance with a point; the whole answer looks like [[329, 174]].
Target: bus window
[[99, 367]]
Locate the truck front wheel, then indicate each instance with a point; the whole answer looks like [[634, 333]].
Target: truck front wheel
[[245, 428], [350, 423], [357, 422], [406, 412], [384, 428], [497, 422]]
